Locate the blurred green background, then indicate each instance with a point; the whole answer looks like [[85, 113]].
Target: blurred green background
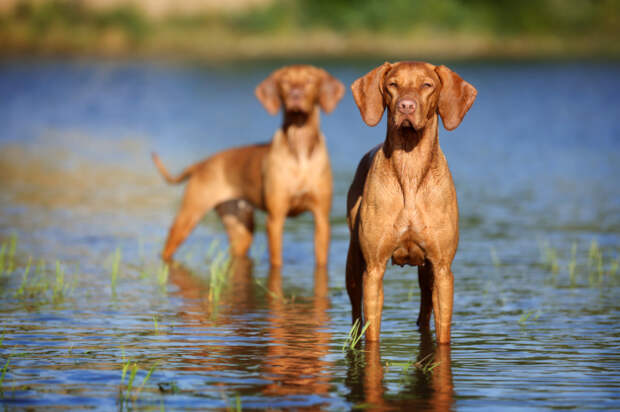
[[242, 29]]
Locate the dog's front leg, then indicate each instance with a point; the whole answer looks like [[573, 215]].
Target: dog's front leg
[[372, 291], [275, 226], [321, 235], [443, 295]]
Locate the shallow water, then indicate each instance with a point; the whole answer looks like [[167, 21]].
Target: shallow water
[[536, 164]]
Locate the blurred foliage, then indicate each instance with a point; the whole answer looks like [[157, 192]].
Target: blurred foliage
[[500, 16], [586, 27], [391, 16], [45, 16]]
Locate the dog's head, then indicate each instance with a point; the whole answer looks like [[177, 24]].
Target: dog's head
[[299, 89], [413, 93]]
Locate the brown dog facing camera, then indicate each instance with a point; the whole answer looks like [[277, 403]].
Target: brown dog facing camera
[[402, 202], [285, 177]]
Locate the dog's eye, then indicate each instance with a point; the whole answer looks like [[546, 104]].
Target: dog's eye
[[427, 85], [392, 84]]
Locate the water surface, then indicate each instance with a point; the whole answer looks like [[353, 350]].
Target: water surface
[[536, 164]]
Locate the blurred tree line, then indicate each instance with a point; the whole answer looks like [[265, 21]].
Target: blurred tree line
[[397, 16], [42, 16], [30, 24], [391, 16]]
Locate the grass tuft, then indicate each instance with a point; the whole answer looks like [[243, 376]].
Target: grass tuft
[[162, 276], [20, 292], [59, 285], [572, 265], [425, 365], [132, 376], [126, 365], [234, 405], [596, 265], [133, 368], [114, 272], [144, 381], [495, 258], [155, 324], [598, 270], [218, 280], [7, 258], [354, 335], [550, 257], [2, 254], [213, 247], [11, 256], [4, 369], [527, 315], [271, 293]]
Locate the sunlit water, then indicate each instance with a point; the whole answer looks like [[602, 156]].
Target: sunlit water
[[536, 164]]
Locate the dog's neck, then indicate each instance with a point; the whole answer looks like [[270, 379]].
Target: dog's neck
[[301, 131], [411, 154]]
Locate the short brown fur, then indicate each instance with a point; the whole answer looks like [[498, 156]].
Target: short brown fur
[[285, 177], [402, 202]]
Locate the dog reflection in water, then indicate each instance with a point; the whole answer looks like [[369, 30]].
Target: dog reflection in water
[[298, 339], [428, 389], [293, 358], [199, 311]]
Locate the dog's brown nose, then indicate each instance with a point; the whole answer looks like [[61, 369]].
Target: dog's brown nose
[[406, 106], [296, 93]]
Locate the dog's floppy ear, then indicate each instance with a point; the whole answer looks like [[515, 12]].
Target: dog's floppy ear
[[267, 93], [331, 91], [368, 94], [455, 98]]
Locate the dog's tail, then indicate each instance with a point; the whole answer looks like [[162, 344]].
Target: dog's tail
[[171, 179]]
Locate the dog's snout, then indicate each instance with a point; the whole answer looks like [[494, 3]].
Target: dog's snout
[[406, 106], [296, 94]]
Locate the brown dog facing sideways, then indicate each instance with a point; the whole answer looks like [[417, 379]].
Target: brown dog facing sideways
[[402, 202], [285, 177]]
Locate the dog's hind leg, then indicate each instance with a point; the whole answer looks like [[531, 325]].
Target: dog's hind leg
[[238, 218], [354, 271], [425, 279], [195, 204]]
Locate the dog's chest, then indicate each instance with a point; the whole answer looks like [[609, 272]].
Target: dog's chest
[[296, 170], [409, 238], [300, 170], [303, 174]]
